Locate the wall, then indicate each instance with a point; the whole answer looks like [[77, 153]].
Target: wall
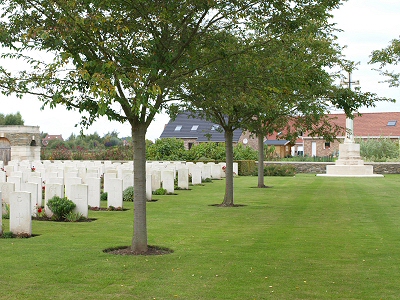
[[320, 167]]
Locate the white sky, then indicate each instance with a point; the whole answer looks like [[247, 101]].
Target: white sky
[[367, 24]]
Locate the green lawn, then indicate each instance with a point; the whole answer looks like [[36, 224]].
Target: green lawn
[[307, 237]]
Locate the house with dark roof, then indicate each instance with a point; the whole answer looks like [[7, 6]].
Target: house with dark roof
[[196, 130], [366, 126]]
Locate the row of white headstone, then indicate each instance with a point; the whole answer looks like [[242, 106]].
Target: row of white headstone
[[22, 184]]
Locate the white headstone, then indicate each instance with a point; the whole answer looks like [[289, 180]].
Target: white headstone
[[79, 195], [115, 193], [127, 179], [215, 171], [71, 174], [20, 213], [222, 165], [155, 179], [9, 169], [6, 189], [196, 174], [82, 173], [235, 169], [55, 180], [92, 172], [39, 182], [32, 188], [107, 177], [69, 181], [1, 217], [3, 177], [183, 178], [17, 182], [93, 191], [25, 175], [50, 174], [205, 171], [149, 192], [168, 180]]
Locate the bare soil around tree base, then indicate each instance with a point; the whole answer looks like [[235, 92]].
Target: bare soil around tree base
[[127, 250]]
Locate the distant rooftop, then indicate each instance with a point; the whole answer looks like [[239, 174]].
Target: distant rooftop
[[186, 127]]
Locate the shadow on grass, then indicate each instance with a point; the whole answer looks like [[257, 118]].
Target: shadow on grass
[[262, 187], [10, 235], [224, 205], [127, 250]]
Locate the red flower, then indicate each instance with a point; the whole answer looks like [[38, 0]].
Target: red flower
[[39, 210]]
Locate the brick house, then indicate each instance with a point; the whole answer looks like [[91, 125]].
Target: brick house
[[52, 137], [366, 126], [369, 125], [196, 130]]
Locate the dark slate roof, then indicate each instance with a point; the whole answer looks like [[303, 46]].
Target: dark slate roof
[[186, 127], [276, 142]]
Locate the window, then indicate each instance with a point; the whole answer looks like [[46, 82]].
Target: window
[[190, 145], [194, 127], [215, 127], [392, 123], [327, 145], [178, 128]]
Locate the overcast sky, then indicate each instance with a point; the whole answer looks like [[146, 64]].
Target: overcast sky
[[367, 25]]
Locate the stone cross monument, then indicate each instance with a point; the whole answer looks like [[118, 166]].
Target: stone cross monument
[[349, 163], [349, 122]]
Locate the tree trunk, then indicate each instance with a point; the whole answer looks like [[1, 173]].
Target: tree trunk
[[228, 199], [139, 240], [260, 139]]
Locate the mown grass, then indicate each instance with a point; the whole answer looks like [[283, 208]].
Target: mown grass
[[306, 237]]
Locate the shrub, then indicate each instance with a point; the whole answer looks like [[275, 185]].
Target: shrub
[[167, 149], [241, 152], [279, 170], [61, 153], [7, 235], [160, 191], [128, 194], [73, 217], [60, 207], [207, 152], [381, 149], [206, 180], [246, 167], [103, 196]]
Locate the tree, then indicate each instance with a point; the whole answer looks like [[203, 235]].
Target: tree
[[279, 81], [123, 59], [275, 77], [388, 56], [167, 149], [11, 119]]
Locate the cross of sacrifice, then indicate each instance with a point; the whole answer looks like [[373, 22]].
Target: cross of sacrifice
[[349, 122]]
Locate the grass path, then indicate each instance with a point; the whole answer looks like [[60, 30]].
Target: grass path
[[306, 237]]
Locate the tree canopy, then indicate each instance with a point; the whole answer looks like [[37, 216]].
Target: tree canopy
[[388, 56], [11, 119]]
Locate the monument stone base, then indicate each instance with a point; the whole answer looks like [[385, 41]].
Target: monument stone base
[[349, 163]]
